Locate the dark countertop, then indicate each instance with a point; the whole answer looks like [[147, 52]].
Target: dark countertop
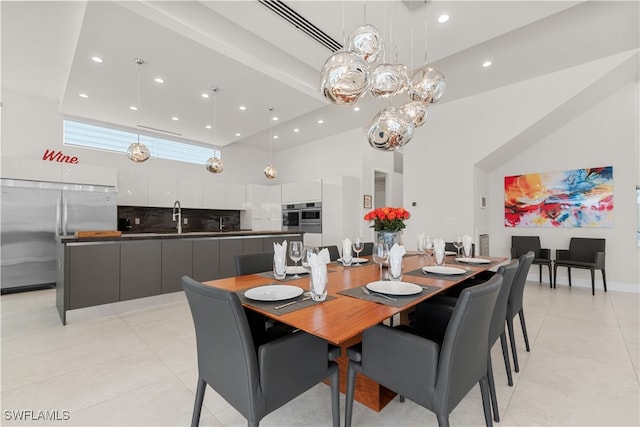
[[174, 235]]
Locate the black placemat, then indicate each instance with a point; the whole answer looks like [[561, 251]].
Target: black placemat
[[269, 306], [287, 278], [402, 300], [453, 277]]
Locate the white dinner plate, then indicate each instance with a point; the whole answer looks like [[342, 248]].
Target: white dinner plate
[[443, 269], [448, 253], [474, 260], [394, 288], [292, 269], [355, 260], [273, 292]]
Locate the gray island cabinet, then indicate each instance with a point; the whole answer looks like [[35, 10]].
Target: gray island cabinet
[[96, 271]]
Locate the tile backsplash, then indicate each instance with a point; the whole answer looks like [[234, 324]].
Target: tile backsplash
[[159, 220]]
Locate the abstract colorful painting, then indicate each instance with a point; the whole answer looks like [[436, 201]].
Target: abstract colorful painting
[[573, 198]]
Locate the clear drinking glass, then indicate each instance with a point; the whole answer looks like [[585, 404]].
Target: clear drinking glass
[[457, 242], [380, 254], [279, 270], [395, 269], [420, 245], [427, 245], [358, 245], [308, 250], [295, 253]]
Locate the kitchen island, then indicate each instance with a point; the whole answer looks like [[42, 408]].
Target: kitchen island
[[102, 270]]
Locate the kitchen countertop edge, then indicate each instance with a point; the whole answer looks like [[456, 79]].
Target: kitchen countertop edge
[[185, 235]]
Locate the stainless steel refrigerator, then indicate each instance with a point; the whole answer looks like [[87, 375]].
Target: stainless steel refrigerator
[[33, 213]]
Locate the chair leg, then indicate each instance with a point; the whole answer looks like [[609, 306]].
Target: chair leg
[[540, 280], [604, 280], [593, 281], [443, 420], [505, 356], [492, 389], [486, 404], [334, 378], [512, 340], [551, 285], [348, 403], [197, 406], [524, 329], [569, 274], [555, 274]]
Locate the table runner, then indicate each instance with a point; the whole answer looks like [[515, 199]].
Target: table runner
[[268, 306], [454, 277], [402, 299]]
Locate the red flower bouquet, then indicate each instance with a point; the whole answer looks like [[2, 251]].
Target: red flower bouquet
[[388, 219]]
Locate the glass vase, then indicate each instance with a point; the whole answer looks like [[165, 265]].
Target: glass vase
[[389, 237]]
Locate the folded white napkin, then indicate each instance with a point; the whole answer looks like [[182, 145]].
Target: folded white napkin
[[280, 257], [419, 244], [346, 250], [438, 249], [318, 264], [466, 244], [395, 259]]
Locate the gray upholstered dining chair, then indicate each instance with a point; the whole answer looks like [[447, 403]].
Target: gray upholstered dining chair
[[367, 249], [334, 254], [520, 245], [587, 253], [515, 305], [254, 379], [257, 262], [435, 377]]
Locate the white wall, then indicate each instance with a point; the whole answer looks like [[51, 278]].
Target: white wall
[[604, 135]]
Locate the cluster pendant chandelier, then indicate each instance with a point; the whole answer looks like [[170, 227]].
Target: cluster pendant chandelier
[[348, 75], [270, 171], [137, 151], [214, 164]]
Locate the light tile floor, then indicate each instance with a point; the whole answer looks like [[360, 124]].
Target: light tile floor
[[139, 368]]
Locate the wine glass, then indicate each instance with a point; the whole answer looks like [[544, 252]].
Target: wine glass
[[380, 254], [457, 242], [295, 253], [308, 250], [357, 245], [427, 245]]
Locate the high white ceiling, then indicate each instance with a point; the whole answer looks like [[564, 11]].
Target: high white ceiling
[[258, 60]]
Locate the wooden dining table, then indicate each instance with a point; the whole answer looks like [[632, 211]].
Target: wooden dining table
[[341, 319]]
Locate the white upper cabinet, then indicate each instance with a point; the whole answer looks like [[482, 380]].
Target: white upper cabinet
[[163, 190], [133, 190], [236, 196], [215, 195], [191, 193], [298, 192]]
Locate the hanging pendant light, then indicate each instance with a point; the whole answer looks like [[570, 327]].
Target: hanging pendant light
[[137, 151], [214, 164], [270, 171]]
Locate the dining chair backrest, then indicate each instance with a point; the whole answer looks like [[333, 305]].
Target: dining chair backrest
[[333, 252], [223, 338], [583, 249], [367, 249], [463, 356], [520, 245], [449, 246], [517, 289], [508, 273], [257, 262]]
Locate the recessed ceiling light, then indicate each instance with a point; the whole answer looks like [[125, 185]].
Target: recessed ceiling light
[[204, 95], [443, 18], [242, 107], [208, 126], [96, 59], [83, 95], [275, 119], [486, 64], [134, 108], [356, 108], [320, 121], [237, 133], [275, 136], [296, 130], [175, 119], [158, 80]]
